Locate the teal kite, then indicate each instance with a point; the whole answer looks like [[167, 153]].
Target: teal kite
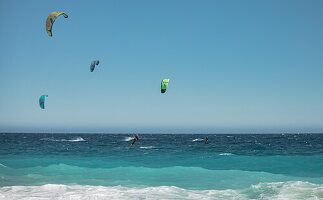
[[42, 101]]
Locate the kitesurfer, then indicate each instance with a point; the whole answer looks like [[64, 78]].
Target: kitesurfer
[[134, 140], [207, 140]]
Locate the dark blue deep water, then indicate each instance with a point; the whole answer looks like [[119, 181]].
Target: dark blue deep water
[[231, 166]]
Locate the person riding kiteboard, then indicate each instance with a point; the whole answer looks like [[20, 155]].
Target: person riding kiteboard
[[134, 140]]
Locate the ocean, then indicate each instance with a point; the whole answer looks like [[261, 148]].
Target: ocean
[[161, 166]]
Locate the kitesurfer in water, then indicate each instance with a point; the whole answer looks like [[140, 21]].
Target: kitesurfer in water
[[207, 140], [135, 139]]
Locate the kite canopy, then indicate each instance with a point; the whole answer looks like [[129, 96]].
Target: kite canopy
[[51, 19], [92, 66], [164, 85], [42, 101]]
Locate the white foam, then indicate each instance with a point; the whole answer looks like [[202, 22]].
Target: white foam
[[51, 191], [286, 190], [197, 139], [226, 154], [279, 190], [127, 139], [76, 139], [148, 147]]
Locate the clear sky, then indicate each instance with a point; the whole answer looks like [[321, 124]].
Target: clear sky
[[234, 66]]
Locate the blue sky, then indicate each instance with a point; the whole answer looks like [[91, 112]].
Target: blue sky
[[234, 66]]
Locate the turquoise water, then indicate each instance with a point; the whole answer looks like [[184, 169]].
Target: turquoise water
[[248, 166]]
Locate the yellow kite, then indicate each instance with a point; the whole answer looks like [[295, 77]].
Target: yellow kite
[[51, 19]]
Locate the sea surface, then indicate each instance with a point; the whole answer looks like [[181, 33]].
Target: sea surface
[[161, 166]]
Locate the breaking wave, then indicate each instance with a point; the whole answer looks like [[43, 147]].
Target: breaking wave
[[276, 190], [76, 139]]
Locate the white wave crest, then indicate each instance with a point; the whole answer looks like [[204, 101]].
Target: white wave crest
[[127, 139], [285, 190], [197, 139], [226, 154], [279, 190], [148, 147], [76, 139], [2, 165]]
